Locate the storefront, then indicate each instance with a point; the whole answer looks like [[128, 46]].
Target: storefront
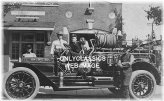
[[37, 24]]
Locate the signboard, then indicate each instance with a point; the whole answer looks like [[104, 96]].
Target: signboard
[[39, 4], [37, 60], [28, 13]]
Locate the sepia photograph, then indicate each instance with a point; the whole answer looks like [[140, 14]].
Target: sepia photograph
[[82, 50]]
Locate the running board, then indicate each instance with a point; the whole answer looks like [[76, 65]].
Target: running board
[[91, 81], [80, 78], [83, 87], [98, 82]]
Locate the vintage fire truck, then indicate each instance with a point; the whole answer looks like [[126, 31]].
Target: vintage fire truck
[[97, 69]]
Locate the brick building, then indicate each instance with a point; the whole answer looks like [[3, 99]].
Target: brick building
[[37, 24]]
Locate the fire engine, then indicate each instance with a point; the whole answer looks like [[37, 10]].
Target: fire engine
[[96, 69]]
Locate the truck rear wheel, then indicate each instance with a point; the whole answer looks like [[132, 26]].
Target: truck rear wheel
[[142, 84], [21, 83]]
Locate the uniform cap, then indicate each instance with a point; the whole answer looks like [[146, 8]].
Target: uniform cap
[[29, 47], [60, 33], [74, 35]]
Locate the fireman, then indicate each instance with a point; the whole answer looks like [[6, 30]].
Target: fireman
[[57, 48], [84, 45], [75, 45], [125, 63]]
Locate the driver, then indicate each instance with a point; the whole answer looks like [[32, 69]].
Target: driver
[[56, 48]]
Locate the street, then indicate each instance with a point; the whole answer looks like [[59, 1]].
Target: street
[[104, 93]]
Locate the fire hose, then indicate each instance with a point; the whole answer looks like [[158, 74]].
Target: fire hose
[[106, 40]]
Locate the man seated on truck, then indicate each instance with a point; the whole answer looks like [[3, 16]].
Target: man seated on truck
[[84, 45], [28, 52], [125, 62], [75, 45]]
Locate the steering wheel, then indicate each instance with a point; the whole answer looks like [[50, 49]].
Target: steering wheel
[[67, 46], [66, 50]]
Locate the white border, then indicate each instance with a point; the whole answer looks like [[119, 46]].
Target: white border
[[113, 1]]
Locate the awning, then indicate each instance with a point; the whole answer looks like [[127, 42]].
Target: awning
[[29, 26]]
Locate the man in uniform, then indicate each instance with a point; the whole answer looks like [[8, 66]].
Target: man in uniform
[[125, 63], [57, 48], [75, 45], [84, 45]]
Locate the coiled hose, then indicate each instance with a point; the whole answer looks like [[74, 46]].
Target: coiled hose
[[105, 40]]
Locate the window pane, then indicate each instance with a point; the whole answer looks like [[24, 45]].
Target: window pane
[[40, 50], [28, 37], [15, 37], [39, 37], [15, 50]]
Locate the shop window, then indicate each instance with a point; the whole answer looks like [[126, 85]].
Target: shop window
[[28, 37], [16, 37], [40, 37], [15, 50], [21, 39], [39, 50]]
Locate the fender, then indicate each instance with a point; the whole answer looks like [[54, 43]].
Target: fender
[[44, 81], [142, 65]]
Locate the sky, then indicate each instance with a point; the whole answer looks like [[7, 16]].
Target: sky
[[136, 22]]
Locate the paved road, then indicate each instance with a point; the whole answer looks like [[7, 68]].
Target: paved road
[[48, 93]]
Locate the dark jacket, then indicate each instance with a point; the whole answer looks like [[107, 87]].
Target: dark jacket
[[126, 58], [75, 47]]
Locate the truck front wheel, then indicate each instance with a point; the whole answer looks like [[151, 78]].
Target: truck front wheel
[[142, 84], [21, 83]]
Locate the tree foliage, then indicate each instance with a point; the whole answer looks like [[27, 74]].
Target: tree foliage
[[154, 13]]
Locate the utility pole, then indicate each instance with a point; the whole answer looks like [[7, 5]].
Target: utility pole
[[152, 36], [152, 30]]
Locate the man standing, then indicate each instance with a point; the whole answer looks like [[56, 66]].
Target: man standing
[[56, 48], [125, 63]]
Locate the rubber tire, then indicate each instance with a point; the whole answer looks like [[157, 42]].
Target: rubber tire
[[138, 72], [25, 70]]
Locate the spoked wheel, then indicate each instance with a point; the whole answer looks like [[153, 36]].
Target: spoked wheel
[[21, 83], [142, 84]]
